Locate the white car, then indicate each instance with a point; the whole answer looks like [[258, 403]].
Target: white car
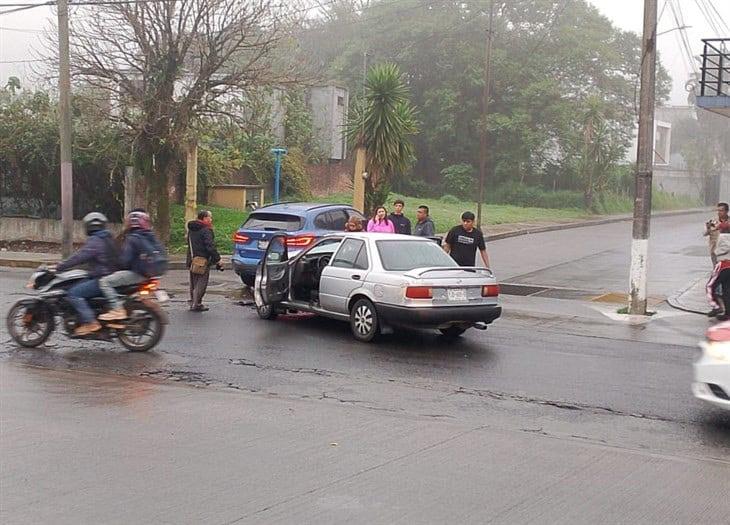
[[377, 281], [712, 370]]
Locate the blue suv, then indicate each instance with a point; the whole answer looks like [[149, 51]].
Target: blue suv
[[303, 222]]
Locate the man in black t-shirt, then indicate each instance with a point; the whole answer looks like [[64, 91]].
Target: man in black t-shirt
[[463, 241]]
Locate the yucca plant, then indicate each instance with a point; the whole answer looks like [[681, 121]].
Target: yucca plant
[[384, 123]]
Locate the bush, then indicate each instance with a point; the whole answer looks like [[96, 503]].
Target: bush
[[294, 176], [518, 194], [459, 179], [450, 199]]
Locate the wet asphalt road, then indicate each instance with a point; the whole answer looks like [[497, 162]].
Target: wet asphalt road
[[562, 392]]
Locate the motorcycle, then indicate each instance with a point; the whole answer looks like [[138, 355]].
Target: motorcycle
[[31, 321]]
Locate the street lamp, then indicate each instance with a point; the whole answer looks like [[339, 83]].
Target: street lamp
[[278, 154]]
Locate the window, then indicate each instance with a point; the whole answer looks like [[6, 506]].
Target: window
[[402, 256], [273, 222], [338, 218], [340, 101], [331, 220], [348, 254], [361, 263]]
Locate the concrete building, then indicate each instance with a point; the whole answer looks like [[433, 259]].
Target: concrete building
[[329, 105]]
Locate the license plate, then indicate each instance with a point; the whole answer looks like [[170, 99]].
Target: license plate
[[263, 245], [456, 294], [161, 296]]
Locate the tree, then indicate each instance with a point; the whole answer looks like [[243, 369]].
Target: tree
[[169, 65], [549, 58], [384, 123]]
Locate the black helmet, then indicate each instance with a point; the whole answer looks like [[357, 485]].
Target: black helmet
[[94, 222]]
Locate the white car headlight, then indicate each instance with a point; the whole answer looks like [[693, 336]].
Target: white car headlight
[[719, 351]]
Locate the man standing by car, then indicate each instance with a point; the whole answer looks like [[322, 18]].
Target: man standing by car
[[201, 243], [401, 223], [424, 225], [463, 241]]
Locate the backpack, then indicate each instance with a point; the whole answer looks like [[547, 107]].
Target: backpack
[[152, 260]]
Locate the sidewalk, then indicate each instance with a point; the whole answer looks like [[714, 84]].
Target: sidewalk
[[692, 299], [496, 232]]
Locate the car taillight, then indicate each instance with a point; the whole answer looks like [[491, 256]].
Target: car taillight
[[240, 238], [301, 241], [148, 287], [419, 292], [491, 290]]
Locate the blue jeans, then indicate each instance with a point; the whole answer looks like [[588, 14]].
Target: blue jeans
[[120, 278], [77, 296]]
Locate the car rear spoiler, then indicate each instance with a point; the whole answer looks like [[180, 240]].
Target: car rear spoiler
[[420, 272]]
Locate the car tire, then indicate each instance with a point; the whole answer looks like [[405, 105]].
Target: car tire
[[248, 280], [266, 312], [364, 321], [452, 332]]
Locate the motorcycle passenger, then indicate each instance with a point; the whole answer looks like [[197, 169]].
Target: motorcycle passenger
[[141, 258], [99, 254]]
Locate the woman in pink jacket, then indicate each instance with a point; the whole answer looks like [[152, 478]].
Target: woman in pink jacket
[[380, 223]]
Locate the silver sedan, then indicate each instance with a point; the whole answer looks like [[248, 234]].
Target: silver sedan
[[376, 282]]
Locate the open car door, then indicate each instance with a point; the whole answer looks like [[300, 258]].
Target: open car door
[[272, 274]]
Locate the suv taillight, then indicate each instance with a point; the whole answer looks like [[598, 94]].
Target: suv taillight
[[300, 241], [240, 238]]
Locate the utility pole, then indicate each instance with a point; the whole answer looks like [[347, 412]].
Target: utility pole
[[64, 113], [644, 164], [485, 108], [191, 181], [358, 177]]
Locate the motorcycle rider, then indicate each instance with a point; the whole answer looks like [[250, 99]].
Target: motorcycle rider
[[99, 253], [135, 240]]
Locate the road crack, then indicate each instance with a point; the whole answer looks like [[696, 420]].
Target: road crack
[[501, 396]]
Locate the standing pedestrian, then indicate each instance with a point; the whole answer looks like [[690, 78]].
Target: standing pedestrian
[[401, 223], [713, 227], [424, 225], [353, 224], [463, 241], [380, 222], [718, 287], [201, 248]]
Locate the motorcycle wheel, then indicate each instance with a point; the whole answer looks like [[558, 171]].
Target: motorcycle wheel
[[143, 330], [29, 323]]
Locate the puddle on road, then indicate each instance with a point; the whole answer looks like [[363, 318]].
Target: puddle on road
[[78, 387]]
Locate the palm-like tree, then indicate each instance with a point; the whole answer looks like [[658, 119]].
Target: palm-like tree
[[384, 123]]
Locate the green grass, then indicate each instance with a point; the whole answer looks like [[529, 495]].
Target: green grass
[[448, 214], [445, 213], [225, 222]]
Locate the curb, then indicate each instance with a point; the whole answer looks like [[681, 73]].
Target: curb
[[181, 265], [585, 224], [675, 300]]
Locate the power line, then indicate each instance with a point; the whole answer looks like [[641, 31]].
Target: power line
[[18, 30], [712, 5], [21, 61], [710, 20]]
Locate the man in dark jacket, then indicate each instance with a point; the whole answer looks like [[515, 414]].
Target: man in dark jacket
[[137, 237], [201, 243], [99, 254], [401, 223], [424, 225]]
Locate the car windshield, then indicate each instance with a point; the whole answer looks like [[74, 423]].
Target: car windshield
[[402, 256], [325, 247], [273, 222]]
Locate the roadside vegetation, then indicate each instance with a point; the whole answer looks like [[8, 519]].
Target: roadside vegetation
[[446, 212]]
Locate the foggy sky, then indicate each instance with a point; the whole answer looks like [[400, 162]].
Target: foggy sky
[[626, 14]]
